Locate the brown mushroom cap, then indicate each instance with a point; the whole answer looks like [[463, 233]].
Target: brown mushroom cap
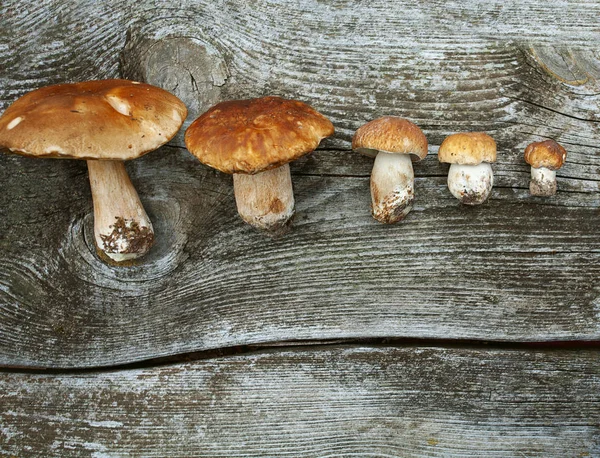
[[104, 119], [548, 154], [467, 148], [250, 136], [391, 135]]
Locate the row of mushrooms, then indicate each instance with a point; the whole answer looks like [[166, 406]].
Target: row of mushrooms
[[106, 122], [395, 143]]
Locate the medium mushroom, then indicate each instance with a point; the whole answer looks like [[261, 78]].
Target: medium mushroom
[[545, 159], [470, 178], [395, 143], [104, 122], [255, 140]]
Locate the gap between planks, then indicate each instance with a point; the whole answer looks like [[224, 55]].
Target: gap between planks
[[291, 345]]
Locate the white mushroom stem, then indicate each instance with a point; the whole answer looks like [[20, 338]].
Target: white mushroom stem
[[392, 187], [543, 182], [471, 184], [265, 200], [122, 229]]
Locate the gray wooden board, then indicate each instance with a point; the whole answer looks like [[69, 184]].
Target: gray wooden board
[[447, 66], [330, 401], [516, 269]]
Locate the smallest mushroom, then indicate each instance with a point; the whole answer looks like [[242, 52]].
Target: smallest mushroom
[[545, 159], [470, 178]]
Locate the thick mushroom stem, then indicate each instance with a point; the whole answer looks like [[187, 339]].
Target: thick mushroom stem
[[471, 184], [122, 229], [543, 182], [392, 187], [265, 200]]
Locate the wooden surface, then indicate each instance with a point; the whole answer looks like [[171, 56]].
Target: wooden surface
[[339, 401], [516, 269]]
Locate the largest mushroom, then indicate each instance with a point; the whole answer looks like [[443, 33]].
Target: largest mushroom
[[104, 122], [255, 140]]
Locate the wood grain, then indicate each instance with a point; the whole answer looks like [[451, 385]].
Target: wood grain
[[336, 401], [516, 269], [445, 66]]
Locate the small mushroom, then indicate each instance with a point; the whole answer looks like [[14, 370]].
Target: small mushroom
[[545, 159], [104, 122], [255, 140], [395, 143], [470, 178]]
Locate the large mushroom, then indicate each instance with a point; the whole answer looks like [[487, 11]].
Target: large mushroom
[[104, 122], [545, 159], [470, 178], [255, 140], [395, 143]]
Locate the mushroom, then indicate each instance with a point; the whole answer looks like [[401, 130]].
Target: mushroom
[[104, 122], [395, 143], [255, 140], [545, 159], [470, 178]]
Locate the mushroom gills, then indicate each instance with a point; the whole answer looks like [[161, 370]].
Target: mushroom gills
[[471, 184], [392, 187], [265, 200], [543, 182], [122, 229]]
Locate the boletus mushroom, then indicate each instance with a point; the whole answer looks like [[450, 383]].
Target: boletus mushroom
[[470, 177], [395, 143], [255, 140], [104, 122], [545, 159]]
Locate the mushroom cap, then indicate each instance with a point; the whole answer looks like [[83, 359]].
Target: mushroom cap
[[104, 119], [467, 148], [391, 135], [548, 154], [250, 136]]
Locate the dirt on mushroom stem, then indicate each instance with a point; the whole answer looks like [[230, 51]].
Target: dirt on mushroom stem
[[473, 198], [544, 188], [392, 211], [138, 239]]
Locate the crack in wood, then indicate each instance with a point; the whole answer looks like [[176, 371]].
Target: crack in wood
[[318, 345], [538, 105]]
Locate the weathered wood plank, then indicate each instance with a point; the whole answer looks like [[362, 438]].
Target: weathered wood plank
[[353, 62], [518, 268], [336, 401]]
